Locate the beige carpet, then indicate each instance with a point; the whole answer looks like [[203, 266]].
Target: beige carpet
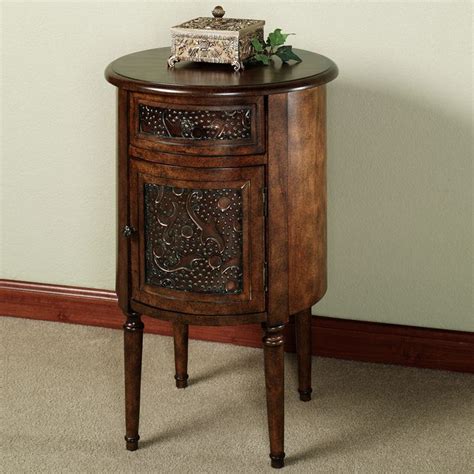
[[62, 410]]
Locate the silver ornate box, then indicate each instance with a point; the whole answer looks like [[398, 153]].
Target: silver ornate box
[[215, 39]]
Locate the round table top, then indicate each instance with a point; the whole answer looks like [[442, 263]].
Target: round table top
[[147, 71]]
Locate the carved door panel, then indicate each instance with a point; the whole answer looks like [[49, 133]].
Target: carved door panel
[[200, 244]]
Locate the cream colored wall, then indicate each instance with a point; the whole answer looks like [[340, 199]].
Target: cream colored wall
[[400, 145]]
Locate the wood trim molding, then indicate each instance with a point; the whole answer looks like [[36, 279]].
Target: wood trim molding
[[332, 337]]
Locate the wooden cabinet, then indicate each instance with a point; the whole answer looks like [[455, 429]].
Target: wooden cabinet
[[221, 208]]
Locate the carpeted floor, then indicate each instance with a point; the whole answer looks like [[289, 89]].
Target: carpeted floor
[[62, 410]]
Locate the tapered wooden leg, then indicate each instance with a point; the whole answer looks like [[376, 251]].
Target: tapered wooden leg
[[180, 332], [273, 348], [133, 342], [303, 350]]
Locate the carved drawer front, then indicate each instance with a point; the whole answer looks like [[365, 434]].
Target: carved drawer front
[[198, 126], [199, 245]]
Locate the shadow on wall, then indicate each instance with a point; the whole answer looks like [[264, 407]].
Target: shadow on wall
[[400, 208]]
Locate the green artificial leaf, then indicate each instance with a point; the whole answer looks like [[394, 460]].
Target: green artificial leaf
[[285, 53], [274, 45], [262, 58], [257, 45], [277, 38]]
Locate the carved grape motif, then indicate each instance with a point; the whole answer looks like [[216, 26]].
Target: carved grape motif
[[193, 239], [196, 124]]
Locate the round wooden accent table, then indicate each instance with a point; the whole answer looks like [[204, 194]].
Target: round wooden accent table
[[221, 208]]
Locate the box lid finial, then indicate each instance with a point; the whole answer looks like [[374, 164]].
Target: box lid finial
[[218, 12]]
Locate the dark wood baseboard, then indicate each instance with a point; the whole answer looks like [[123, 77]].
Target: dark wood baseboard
[[332, 337]]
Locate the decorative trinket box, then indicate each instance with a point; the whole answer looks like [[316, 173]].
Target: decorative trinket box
[[215, 40]]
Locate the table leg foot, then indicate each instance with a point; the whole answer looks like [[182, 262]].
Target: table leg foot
[[181, 380], [305, 395], [132, 443], [278, 461]]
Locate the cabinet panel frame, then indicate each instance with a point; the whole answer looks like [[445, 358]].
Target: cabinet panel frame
[[186, 146], [251, 181]]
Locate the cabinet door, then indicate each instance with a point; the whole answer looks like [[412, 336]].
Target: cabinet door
[[199, 248]]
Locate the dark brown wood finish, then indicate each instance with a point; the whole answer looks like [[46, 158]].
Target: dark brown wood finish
[[123, 246], [306, 198], [277, 220], [203, 162], [303, 351], [180, 335], [226, 205], [199, 319], [273, 350], [133, 343], [248, 181], [330, 337], [209, 125], [146, 71]]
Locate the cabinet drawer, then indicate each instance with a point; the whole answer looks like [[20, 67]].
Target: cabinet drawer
[[198, 126]]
